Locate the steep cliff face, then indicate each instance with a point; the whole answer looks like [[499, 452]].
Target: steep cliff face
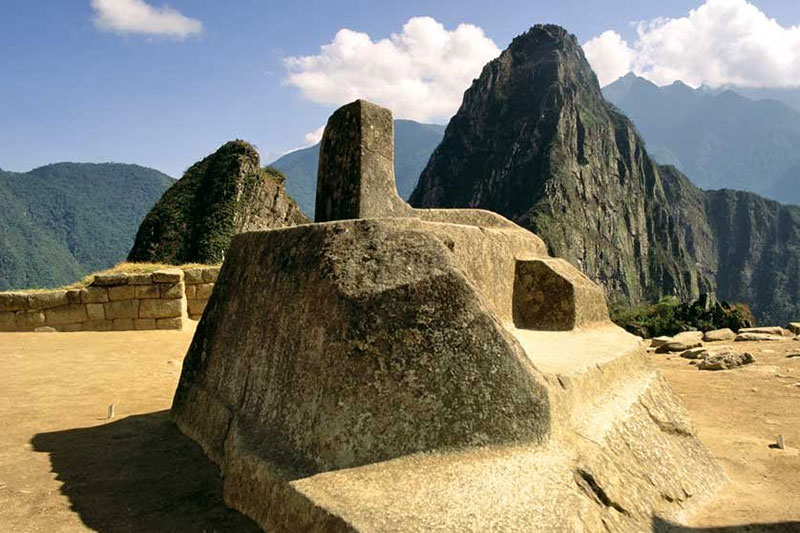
[[758, 242], [224, 194], [534, 140]]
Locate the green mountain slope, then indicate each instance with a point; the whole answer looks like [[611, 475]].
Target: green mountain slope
[[62, 221], [224, 194], [413, 144], [719, 138]]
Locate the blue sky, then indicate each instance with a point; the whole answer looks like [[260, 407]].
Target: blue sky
[[76, 87]]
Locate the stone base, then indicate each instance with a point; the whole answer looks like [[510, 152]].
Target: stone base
[[395, 393]]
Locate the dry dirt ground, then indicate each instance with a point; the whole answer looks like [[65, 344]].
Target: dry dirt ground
[[64, 466]]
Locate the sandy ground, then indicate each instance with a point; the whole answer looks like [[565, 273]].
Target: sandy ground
[[64, 466]]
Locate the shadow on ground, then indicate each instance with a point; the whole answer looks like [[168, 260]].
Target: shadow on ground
[[140, 474], [664, 526]]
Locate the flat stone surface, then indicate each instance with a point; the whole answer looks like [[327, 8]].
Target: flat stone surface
[[123, 292], [47, 300], [68, 314], [123, 309], [93, 295], [172, 275], [160, 309], [718, 335]]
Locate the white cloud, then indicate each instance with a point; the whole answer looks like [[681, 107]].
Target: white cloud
[[420, 73], [720, 42], [609, 55], [313, 137], [137, 16]]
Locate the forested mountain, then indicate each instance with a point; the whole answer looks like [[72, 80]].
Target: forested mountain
[[221, 195], [62, 221]]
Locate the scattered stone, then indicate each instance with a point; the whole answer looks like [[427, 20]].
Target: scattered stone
[[672, 347], [717, 335], [695, 353], [726, 361], [692, 339], [794, 327], [781, 442], [111, 411], [757, 337], [659, 341], [45, 329], [766, 330]]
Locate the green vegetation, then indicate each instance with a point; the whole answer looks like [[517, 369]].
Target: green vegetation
[[224, 194], [62, 221], [670, 316]]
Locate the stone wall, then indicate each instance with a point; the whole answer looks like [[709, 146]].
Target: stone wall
[[199, 284], [164, 299]]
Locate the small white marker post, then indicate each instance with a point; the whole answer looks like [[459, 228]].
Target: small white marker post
[[781, 442], [111, 411]]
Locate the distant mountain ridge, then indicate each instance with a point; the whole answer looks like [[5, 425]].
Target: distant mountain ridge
[[414, 143], [536, 141], [719, 138], [61, 221]]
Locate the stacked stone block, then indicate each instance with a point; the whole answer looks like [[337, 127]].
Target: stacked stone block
[[199, 285], [113, 302]]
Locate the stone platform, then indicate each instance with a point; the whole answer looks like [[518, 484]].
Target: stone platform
[[426, 371]]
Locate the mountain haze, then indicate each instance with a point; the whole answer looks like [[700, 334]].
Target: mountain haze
[[62, 221], [719, 138], [535, 141], [413, 144]]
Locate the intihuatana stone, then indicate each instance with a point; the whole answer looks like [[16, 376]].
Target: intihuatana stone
[[356, 165], [386, 370]]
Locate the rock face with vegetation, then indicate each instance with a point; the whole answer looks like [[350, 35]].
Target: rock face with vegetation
[[224, 194], [535, 141], [62, 221]]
